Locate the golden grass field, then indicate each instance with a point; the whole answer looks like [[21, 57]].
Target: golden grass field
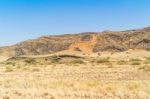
[[122, 75]]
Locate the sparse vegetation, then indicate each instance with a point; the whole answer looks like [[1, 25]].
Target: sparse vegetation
[[122, 62], [147, 62], [35, 69], [103, 60], [6, 97], [77, 61], [110, 65], [10, 63], [55, 59], [135, 63], [147, 58], [135, 59], [30, 61], [18, 67], [65, 76], [8, 69], [145, 68]]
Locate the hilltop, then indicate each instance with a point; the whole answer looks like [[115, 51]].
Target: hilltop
[[89, 42]]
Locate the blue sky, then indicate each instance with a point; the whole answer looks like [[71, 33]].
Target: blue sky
[[26, 19]]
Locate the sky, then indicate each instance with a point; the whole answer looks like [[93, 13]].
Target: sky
[[27, 19]]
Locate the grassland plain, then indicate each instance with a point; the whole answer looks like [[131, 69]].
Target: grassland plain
[[121, 75]]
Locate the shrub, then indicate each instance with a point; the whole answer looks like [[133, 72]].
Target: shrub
[[55, 59], [122, 62], [10, 63], [135, 63], [145, 68], [8, 69], [35, 70], [135, 59], [77, 61], [18, 66], [147, 58], [99, 54], [25, 68], [102, 60], [146, 62], [30, 61], [5, 97], [110, 65]]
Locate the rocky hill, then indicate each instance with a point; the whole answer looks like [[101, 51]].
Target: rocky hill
[[89, 42]]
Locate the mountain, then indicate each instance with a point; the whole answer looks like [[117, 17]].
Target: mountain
[[89, 42]]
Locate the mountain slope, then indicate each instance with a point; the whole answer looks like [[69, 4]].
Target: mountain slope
[[85, 42]]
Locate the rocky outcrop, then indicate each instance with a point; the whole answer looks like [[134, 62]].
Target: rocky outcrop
[[84, 42]]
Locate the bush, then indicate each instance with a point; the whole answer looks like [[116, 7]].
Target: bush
[[147, 58], [136, 59], [6, 97], [35, 70], [144, 68], [30, 61], [8, 69], [55, 59], [146, 62], [109, 65], [135, 63], [10, 63], [78, 61], [103, 60], [122, 62]]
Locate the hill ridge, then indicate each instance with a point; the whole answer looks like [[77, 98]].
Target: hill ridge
[[88, 42]]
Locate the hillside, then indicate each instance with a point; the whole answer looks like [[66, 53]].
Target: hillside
[[106, 65], [89, 42]]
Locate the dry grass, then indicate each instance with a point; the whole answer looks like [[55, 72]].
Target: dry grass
[[135, 63], [8, 69], [103, 60], [110, 78], [122, 62], [145, 68]]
